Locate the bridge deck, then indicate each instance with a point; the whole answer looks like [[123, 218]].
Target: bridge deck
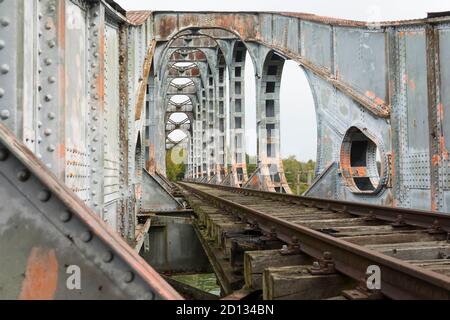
[[412, 258]]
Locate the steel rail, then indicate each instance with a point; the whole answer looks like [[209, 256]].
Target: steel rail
[[399, 279], [412, 217]]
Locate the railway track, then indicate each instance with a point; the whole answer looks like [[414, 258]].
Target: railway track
[[411, 248]]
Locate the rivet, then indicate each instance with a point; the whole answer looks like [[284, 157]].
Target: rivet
[[4, 22], [2, 44], [4, 154], [65, 217], [23, 175], [51, 148], [5, 114], [128, 277], [86, 236], [2, 92], [108, 257], [44, 196], [48, 132], [4, 68], [149, 296]]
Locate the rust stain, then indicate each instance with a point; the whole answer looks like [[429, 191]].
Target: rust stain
[[199, 55], [255, 181], [412, 85], [389, 202], [195, 72], [138, 17], [358, 171], [371, 95], [445, 154], [189, 20], [41, 277], [440, 109], [167, 25], [436, 159], [405, 79], [138, 192], [379, 101], [434, 206], [143, 84], [151, 162], [444, 151], [61, 150], [101, 68]]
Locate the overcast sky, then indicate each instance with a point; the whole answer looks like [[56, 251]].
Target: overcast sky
[[298, 128]]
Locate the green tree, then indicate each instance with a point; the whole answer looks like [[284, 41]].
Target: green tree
[[176, 169], [251, 164], [294, 168]]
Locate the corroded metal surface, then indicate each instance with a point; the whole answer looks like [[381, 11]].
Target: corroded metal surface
[[46, 229], [90, 90]]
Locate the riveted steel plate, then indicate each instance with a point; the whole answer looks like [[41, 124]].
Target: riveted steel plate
[[46, 233]]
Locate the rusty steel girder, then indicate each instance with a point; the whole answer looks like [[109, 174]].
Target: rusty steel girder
[[363, 78], [46, 231]]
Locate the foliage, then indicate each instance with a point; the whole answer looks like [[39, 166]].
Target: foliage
[[176, 164], [293, 168], [176, 167], [251, 164]]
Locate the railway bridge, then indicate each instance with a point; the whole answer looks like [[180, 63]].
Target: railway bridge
[[90, 96]]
